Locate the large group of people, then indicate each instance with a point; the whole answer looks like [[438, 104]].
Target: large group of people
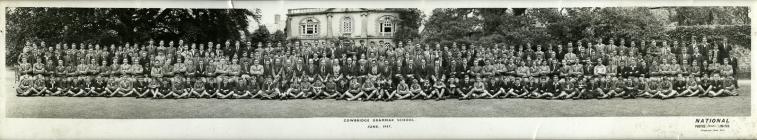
[[356, 70]]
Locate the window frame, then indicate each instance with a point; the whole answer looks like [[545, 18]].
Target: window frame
[[311, 25], [387, 22], [348, 25]]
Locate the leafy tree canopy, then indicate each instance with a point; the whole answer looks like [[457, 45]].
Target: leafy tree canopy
[[487, 26], [410, 19], [121, 25]]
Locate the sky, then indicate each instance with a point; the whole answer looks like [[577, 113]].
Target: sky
[[269, 12]]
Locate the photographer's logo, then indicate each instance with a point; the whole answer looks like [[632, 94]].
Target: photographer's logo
[[711, 124]]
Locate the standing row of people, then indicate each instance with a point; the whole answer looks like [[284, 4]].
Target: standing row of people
[[380, 70]]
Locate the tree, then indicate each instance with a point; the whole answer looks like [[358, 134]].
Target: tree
[[448, 25], [612, 22], [278, 36], [688, 16], [515, 28], [488, 26], [410, 19], [261, 35], [482, 26], [120, 25], [736, 35]]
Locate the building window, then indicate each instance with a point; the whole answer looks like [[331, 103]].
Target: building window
[[386, 25], [309, 27], [347, 25]]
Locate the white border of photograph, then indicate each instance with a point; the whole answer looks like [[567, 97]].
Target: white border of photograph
[[310, 128]]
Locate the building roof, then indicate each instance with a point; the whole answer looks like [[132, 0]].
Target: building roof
[[314, 11]]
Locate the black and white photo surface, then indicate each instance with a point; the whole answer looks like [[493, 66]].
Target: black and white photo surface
[[375, 69], [381, 62]]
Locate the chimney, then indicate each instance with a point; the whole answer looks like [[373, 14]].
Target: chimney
[[277, 19]]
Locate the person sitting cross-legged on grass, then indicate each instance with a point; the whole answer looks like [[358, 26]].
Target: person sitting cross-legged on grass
[[546, 89], [403, 90], [439, 87], [516, 89], [254, 87], [198, 87], [330, 90], [692, 87], [386, 89], [306, 87], [720, 86], [453, 87], [479, 89], [566, 89], [417, 89], [369, 89], [665, 89], [184, 92], [294, 90], [317, 88], [354, 91]]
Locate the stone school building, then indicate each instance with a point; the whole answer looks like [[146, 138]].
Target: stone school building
[[359, 24]]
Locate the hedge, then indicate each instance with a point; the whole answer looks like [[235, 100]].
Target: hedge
[[738, 35]]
